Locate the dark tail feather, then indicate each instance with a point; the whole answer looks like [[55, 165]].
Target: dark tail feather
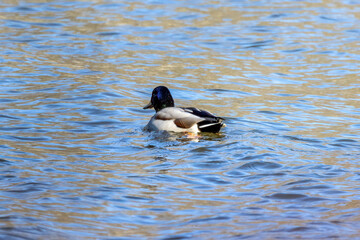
[[210, 126]]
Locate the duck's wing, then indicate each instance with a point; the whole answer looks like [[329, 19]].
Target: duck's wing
[[181, 118], [201, 113], [209, 122]]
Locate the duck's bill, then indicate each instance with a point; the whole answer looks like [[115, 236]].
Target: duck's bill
[[149, 105]]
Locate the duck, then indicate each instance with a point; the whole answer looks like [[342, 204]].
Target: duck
[[179, 119]]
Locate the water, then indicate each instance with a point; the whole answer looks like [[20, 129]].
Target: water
[[76, 163]]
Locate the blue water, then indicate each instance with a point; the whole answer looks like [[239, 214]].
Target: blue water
[[77, 164]]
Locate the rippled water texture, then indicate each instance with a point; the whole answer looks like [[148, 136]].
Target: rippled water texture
[[75, 162]]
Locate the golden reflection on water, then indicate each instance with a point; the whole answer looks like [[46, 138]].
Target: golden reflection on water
[[295, 65]]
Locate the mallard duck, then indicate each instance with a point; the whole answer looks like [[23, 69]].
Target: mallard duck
[[179, 119]]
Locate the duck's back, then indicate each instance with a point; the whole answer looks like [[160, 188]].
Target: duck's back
[[174, 119], [185, 120]]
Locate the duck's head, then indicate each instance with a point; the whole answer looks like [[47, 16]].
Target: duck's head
[[160, 98]]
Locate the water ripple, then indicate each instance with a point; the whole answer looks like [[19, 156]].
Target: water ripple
[[76, 163], [253, 166]]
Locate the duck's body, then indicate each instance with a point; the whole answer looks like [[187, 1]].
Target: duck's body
[[176, 119]]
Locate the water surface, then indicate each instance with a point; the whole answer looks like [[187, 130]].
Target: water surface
[[76, 163]]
